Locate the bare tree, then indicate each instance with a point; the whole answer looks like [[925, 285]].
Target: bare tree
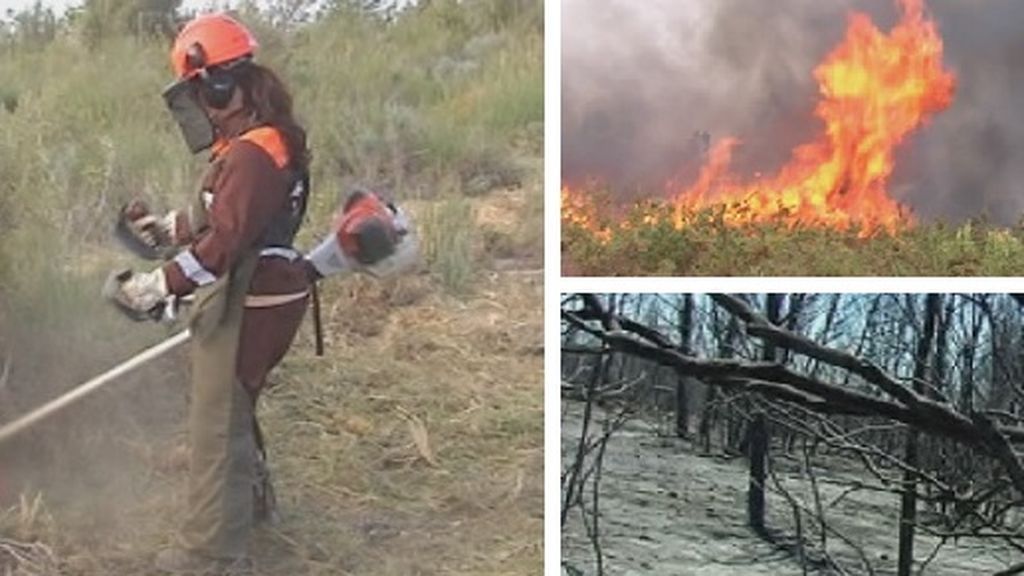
[[843, 373]]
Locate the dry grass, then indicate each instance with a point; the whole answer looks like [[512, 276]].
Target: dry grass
[[21, 559], [421, 434], [22, 553], [413, 447]]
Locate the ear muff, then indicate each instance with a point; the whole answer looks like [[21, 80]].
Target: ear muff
[[195, 57], [217, 85]]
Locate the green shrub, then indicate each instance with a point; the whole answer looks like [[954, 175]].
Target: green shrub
[[709, 247]]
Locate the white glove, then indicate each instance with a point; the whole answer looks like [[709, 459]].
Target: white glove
[[144, 291], [140, 295], [156, 231]]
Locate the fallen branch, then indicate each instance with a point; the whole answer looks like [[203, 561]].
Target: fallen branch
[[980, 430], [27, 559], [774, 379]]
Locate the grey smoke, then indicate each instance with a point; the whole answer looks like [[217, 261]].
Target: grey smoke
[[640, 78]]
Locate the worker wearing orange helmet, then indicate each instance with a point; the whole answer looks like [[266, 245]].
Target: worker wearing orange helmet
[[233, 249]]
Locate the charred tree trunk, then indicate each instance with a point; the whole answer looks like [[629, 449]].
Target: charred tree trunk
[[706, 419], [758, 436], [865, 334], [710, 417], [758, 472], [735, 441], [970, 348], [942, 346], [908, 503], [685, 337], [796, 304]]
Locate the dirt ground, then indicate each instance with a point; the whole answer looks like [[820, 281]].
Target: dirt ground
[[667, 510], [414, 447]]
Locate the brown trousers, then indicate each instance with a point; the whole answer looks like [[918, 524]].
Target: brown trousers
[[222, 414]]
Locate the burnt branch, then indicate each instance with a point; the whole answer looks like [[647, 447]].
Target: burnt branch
[[980, 430], [775, 380]]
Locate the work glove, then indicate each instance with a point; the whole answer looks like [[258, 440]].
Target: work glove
[[145, 233], [140, 295]]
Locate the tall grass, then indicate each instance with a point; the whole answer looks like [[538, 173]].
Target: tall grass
[[439, 105], [440, 100], [449, 242], [710, 247]]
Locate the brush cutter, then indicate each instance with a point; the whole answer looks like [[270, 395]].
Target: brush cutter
[[9, 430], [369, 235]]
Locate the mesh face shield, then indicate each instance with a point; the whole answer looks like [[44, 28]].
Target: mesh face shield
[[196, 127]]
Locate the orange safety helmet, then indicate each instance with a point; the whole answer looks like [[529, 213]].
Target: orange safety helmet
[[210, 40]]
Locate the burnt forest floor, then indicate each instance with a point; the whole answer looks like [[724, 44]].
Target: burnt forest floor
[[666, 509]]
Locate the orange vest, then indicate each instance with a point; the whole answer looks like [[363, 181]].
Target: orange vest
[[268, 138]]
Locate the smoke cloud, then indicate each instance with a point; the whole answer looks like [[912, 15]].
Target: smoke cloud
[[639, 79]]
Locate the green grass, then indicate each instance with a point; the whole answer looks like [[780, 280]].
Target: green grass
[[444, 101], [442, 106], [448, 242], [709, 247]]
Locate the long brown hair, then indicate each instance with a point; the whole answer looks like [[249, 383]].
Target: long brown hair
[[266, 95]]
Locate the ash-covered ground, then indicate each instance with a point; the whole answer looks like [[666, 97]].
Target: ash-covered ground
[[667, 510]]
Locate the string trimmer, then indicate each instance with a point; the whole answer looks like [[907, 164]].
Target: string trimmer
[[332, 257]]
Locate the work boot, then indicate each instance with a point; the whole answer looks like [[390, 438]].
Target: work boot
[[264, 499], [184, 562]]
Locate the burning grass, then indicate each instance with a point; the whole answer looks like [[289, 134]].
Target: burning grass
[[641, 245], [875, 89], [827, 210]]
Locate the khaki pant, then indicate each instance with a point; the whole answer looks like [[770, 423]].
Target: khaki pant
[[220, 424], [233, 350]]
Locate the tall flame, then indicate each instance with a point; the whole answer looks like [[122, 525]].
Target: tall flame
[[875, 89]]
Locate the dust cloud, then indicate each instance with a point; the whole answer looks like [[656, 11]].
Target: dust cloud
[[639, 82], [92, 464]]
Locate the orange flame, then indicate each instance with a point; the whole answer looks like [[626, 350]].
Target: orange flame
[[876, 89], [578, 210]]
